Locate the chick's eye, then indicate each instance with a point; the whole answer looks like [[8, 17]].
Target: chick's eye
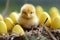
[[24, 12], [31, 12]]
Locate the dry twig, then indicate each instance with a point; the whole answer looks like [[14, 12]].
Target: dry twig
[[47, 29]]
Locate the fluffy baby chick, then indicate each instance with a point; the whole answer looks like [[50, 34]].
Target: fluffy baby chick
[[28, 17]]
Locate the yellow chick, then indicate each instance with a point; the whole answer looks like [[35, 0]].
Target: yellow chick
[[39, 10], [9, 23], [18, 30], [43, 18], [14, 16], [55, 23], [3, 27], [1, 17], [28, 17], [53, 12]]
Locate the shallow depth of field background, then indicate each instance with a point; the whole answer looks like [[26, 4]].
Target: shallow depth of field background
[[15, 5]]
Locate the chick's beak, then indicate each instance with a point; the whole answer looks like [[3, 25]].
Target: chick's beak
[[28, 16]]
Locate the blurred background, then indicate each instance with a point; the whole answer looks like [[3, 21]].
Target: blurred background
[[15, 5]]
